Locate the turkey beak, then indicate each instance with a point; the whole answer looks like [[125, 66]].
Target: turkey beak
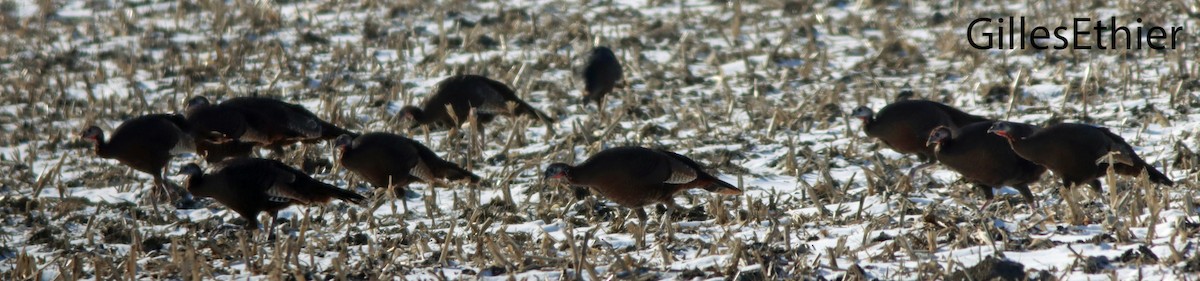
[[1001, 133], [931, 142]]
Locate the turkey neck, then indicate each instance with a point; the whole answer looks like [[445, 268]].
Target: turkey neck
[[421, 116], [195, 186], [345, 151], [941, 146], [868, 122], [102, 148], [574, 178], [1019, 145]]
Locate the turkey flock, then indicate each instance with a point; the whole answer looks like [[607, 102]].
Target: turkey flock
[[987, 153]]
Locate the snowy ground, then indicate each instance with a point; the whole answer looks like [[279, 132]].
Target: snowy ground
[[758, 91]]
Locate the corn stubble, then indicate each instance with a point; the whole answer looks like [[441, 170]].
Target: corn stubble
[[358, 62]]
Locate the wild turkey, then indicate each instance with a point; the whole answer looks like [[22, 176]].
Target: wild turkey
[[1077, 154], [634, 177], [904, 126], [263, 121], [392, 161], [463, 92], [250, 186], [601, 74], [145, 143], [985, 160]]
